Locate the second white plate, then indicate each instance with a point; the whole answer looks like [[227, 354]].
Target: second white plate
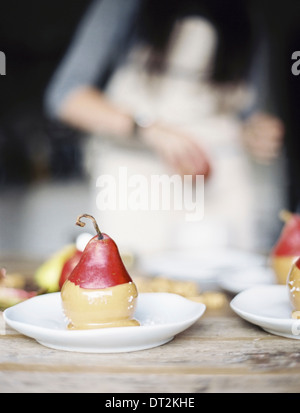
[[162, 316], [269, 308]]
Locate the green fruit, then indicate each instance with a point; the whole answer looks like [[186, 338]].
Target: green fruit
[[48, 274]]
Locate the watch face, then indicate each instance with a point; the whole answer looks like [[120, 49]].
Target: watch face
[[144, 120]]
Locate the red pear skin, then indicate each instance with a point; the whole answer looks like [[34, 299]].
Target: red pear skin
[[100, 265], [289, 241], [68, 267]]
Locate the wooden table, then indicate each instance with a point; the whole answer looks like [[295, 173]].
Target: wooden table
[[220, 353]]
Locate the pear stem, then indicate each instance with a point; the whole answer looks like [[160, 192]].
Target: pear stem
[[285, 215], [82, 224]]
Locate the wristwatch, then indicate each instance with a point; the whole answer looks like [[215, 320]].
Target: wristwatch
[[141, 121]]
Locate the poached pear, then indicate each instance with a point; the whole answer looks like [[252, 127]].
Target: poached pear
[[293, 283], [99, 292], [287, 248]]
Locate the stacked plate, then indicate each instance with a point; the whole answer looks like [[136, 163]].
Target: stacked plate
[[230, 269]]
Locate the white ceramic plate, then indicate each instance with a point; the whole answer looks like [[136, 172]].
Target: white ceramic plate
[[238, 281], [162, 316], [201, 265], [267, 307]]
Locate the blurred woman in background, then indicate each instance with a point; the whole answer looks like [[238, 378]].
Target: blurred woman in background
[[169, 85]]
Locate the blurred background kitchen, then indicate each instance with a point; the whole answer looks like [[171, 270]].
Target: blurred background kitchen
[[42, 181], [45, 162]]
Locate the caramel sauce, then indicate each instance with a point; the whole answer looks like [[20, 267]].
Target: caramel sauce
[[281, 266], [293, 284], [99, 308]]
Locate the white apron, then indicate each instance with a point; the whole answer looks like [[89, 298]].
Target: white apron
[[182, 96]]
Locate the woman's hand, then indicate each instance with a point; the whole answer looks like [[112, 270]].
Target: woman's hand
[[178, 150]]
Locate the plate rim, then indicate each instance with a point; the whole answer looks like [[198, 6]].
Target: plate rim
[[273, 321], [103, 331]]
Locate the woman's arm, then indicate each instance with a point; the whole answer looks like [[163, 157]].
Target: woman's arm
[[89, 109], [96, 47]]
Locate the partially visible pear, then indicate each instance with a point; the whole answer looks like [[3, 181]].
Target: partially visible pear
[[71, 262], [48, 274], [68, 267], [293, 284], [287, 248]]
